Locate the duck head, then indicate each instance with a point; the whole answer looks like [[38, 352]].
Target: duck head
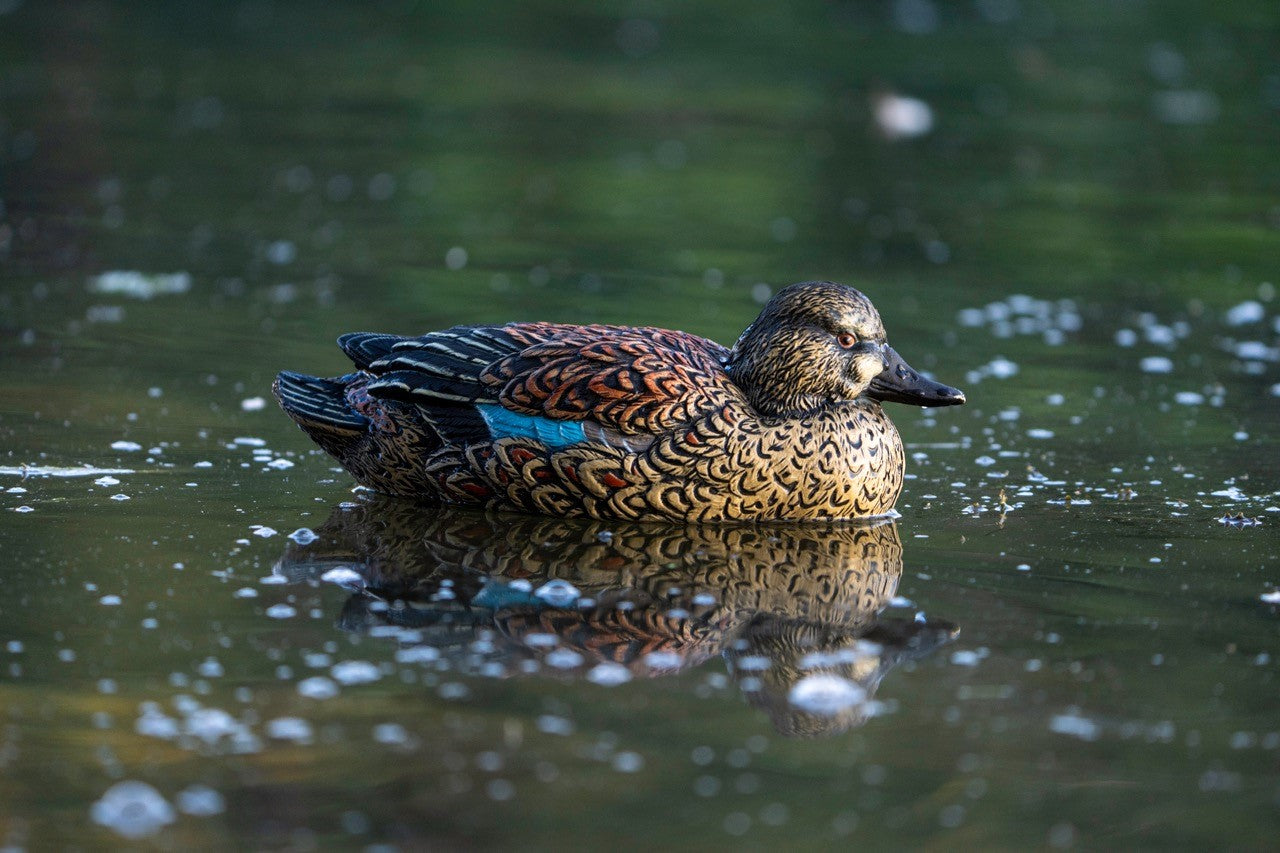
[[817, 343]]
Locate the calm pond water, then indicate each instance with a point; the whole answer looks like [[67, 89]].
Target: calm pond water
[[1070, 638]]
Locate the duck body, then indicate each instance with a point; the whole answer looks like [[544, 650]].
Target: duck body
[[629, 423]]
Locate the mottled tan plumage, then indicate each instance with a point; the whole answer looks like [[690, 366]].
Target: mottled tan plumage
[[630, 423], [780, 602]]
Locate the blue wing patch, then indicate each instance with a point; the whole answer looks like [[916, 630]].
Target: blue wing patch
[[504, 423]]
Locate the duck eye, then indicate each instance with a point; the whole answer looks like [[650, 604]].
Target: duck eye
[[846, 340]]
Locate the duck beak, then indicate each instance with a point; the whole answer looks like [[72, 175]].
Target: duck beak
[[898, 383]]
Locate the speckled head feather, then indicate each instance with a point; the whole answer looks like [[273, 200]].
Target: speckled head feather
[[815, 343]]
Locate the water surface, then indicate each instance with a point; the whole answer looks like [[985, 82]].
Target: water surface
[[1069, 638]]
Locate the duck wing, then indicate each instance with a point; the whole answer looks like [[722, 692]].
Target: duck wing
[[621, 379]]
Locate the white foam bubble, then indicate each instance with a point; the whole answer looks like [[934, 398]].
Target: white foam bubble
[[140, 285], [342, 576], [317, 687], [132, 809], [293, 729], [1075, 725], [355, 672], [1156, 364], [304, 536], [558, 593], [609, 674], [826, 694], [200, 801]]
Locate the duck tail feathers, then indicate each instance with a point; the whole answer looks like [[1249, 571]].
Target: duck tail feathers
[[318, 404]]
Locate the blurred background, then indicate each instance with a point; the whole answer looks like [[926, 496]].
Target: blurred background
[[1069, 209]]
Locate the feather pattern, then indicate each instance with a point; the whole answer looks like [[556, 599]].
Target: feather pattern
[[623, 422]]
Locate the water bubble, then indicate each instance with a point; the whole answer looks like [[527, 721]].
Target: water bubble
[[609, 674], [140, 285], [281, 611], [417, 654], [392, 734], [155, 723], [317, 687], [1002, 368], [826, 694], [753, 663], [1075, 725], [355, 672], [1249, 311], [293, 729], [554, 725], [455, 258], [917, 17], [133, 809], [564, 659], [1156, 364], [1186, 106], [382, 186], [500, 790], [304, 536], [558, 593], [342, 576], [663, 660], [282, 252], [200, 801], [900, 117], [210, 668], [1062, 836], [706, 786]]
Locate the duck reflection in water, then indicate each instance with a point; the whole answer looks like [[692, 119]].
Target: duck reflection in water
[[794, 609]]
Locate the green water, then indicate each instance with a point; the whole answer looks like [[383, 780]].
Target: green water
[[404, 167]]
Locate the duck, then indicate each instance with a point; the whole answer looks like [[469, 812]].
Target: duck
[[629, 423]]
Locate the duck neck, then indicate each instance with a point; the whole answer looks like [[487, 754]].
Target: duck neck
[[772, 393]]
